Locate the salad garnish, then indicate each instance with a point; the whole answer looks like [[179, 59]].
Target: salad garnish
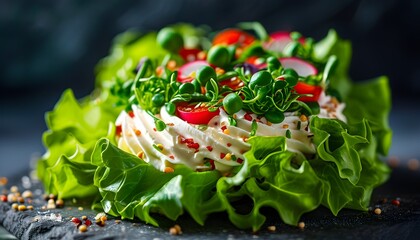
[[182, 122]]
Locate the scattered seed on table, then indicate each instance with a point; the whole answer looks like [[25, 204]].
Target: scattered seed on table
[[83, 228], [271, 228], [15, 206], [27, 194], [59, 203], [22, 208], [301, 225], [14, 189], [377, 211], [395, 202]]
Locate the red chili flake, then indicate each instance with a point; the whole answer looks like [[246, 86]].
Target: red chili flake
[[248, 117], [222, 155], [154, 129], [193, 145], [3, 198], [223, 128], [76, 221], [210, 148], [239, 160], [229, 144], [118, 130], [212, 164], [88, 222], [172, 157], [395, 202], [131, 113]]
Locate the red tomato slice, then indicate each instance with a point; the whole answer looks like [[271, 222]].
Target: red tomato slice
[[233, 36], [195, 115], [234, 83], [304, 88]]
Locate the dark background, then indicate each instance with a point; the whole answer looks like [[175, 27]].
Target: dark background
[[48, 46]]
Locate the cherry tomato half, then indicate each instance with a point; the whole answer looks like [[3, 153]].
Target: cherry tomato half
[[195, 115], [304, 88], [233, 37]]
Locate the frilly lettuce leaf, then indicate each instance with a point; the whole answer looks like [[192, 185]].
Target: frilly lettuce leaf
[[345, 164], [74, 128]]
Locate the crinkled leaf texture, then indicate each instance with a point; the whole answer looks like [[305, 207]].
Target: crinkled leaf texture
[[74, 128]]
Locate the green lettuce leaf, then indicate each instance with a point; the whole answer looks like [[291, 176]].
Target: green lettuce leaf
[[132, 188], [344, 163], [74, 128]]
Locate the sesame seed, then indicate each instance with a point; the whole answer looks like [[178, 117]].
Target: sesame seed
[[303, 118], [178, 228], [377, 211], [83, 228], [80, 208], [137, 132], [226, 131], [22, 208], [59, 203], [271, 228], [14, 189], [173, 231], [27, 194], [15, 206], [3, 181], [301, 225]]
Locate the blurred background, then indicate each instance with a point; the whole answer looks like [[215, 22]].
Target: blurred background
[[48, 46]]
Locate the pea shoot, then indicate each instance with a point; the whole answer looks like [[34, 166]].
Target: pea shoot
[[170, 40], [265, 91], [204, 74], [232, 103], [219, 56]]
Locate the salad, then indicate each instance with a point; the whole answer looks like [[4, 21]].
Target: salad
[[190, 121]]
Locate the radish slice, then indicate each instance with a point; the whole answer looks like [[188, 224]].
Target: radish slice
[[302, 68], [186, 70], [279, 41]]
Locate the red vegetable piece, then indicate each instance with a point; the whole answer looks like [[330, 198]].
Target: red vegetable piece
[[186, 70], [195, 115], [233, 37], [304, 88], [302, 67], [189, 55], [279, 40]]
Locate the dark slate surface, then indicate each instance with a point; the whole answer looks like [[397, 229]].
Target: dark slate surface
[[395, 222]]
